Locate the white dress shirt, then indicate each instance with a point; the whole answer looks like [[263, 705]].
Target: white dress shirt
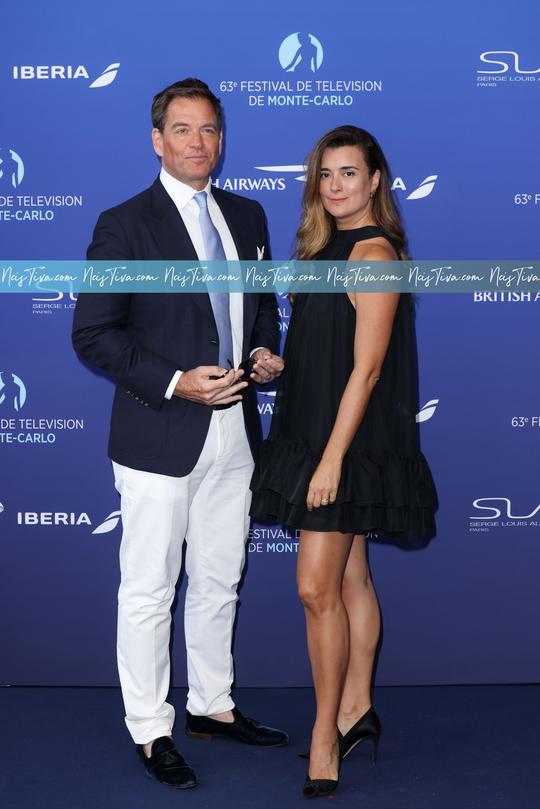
[[183, 197]]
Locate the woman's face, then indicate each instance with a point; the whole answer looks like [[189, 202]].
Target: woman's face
[[345, 186]]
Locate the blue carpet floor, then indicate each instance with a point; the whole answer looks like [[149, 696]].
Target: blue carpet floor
[[466, 747]]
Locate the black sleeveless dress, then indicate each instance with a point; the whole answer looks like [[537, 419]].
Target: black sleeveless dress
[[386, 485]]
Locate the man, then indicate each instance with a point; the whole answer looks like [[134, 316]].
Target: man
[[181, 443]]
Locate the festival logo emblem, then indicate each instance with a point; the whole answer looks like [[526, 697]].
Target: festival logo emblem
[[11, 167], [298, 85], [12, 392], [301, 53]]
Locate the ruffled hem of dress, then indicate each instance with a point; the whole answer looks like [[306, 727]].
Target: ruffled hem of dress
[[392, 496]]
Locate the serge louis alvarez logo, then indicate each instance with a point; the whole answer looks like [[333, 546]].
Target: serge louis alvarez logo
[[65, 72], [505, 67], [500, 512]]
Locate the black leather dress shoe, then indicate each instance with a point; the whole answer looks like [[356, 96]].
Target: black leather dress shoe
[[241, 730], [166, 765]]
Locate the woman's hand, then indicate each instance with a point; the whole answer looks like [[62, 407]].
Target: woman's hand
[[324, 484]]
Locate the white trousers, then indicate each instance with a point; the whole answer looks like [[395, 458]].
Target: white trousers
[[209, 508]]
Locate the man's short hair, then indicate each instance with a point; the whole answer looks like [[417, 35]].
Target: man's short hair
[[187, 88]]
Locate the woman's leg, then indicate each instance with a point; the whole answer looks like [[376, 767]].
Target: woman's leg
[[362, 608], [322, 558]]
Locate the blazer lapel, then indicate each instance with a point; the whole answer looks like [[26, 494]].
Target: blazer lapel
[[172, 238], [167, 226]]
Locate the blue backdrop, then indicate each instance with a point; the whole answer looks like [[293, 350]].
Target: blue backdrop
[[76, 85]]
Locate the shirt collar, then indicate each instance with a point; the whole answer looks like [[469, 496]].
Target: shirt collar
[[180, 192]]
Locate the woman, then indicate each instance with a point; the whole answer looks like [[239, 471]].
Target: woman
[[342, 457]]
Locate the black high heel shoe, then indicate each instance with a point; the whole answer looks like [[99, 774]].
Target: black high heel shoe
[[367, 727], [321, 787]]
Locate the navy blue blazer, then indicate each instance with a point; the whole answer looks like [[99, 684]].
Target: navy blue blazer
[[140, 340]]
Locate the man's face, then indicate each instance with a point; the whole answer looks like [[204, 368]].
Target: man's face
[[190, 143]]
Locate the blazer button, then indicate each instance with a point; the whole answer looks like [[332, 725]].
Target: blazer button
[[213, 342]]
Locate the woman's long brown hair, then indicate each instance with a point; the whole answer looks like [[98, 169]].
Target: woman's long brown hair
[[317, 226]]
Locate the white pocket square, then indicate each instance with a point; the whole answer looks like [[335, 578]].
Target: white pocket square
[[260, 253]]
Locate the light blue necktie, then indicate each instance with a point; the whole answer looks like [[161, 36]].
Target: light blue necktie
[[213, 249]]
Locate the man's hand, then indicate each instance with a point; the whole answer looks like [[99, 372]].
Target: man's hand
[[197, 385], [266, 366]]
